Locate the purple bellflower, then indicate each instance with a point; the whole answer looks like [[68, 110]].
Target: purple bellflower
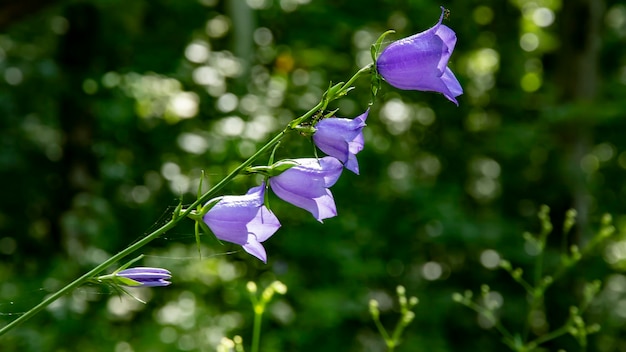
[[243, 220], [145, 277], [306, 185], [420, 62], [341, 138]]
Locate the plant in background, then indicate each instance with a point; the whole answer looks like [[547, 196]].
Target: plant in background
[[406, 316], [259, 303], [488, 306]]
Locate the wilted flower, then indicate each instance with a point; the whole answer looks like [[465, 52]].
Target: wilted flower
[[306, 185], [142, 276], [243, 220], [341, 138], [419, 62]]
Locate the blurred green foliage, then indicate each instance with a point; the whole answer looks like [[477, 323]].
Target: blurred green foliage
[[110, 109]]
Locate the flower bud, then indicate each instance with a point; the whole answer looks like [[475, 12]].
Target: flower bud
[[143, 277]]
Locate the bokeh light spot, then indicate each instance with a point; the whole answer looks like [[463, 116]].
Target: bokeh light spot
[[140, 194], [169, 170], [483, 15], [490, 259], [192, 143], [425, 116], [396, 115], [59, 25], [90, 86], [263, 36], [218, 26], [530, 82], [398, 170], [529, 42], [13, 76], [432, 271], [197, 51], [543, 17], [185, 104], [227, 102], [207, 76], [232, 126]]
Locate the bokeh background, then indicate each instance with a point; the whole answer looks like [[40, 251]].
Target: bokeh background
[[110, 110]]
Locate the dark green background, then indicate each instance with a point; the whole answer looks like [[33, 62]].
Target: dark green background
[[91, 159]]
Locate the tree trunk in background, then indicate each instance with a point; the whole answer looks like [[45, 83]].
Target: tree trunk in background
[[243, 31], [578, 79], [78, 168]]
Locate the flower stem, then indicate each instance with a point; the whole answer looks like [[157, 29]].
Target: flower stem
[[256, 332], [86, 277], [137, 245], [366, 69], [179, 214], [327, 99]]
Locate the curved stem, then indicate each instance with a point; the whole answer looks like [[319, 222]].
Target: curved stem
[[137, 245], [366, 69], [177, 217], [93, 272], [339, 93]]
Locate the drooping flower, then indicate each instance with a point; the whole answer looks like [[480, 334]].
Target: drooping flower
[[341, 138], [144, 277], [306, 185], [420, 62], [243, 220]]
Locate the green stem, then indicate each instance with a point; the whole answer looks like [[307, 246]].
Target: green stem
[[384, 334], [306, 116], [137, 245], [550, 336], [366, 69], [324, 102], [256, 332], [93, 272], [489, 315], [176, 218]]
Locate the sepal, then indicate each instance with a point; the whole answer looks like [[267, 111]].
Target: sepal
[[375, 48]]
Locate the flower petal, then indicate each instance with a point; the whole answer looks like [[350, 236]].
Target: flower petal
[[320, 206], [306, 185], [234, 218], [264, 225], [337, 136], [254, 247]]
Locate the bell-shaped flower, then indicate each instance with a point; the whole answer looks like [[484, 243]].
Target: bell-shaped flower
[[420, 62], [243, 220], [306, 185], [341, 138], [143, 277]]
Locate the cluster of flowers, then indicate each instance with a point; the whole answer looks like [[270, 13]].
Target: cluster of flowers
[[246, 220], [418, 62]]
